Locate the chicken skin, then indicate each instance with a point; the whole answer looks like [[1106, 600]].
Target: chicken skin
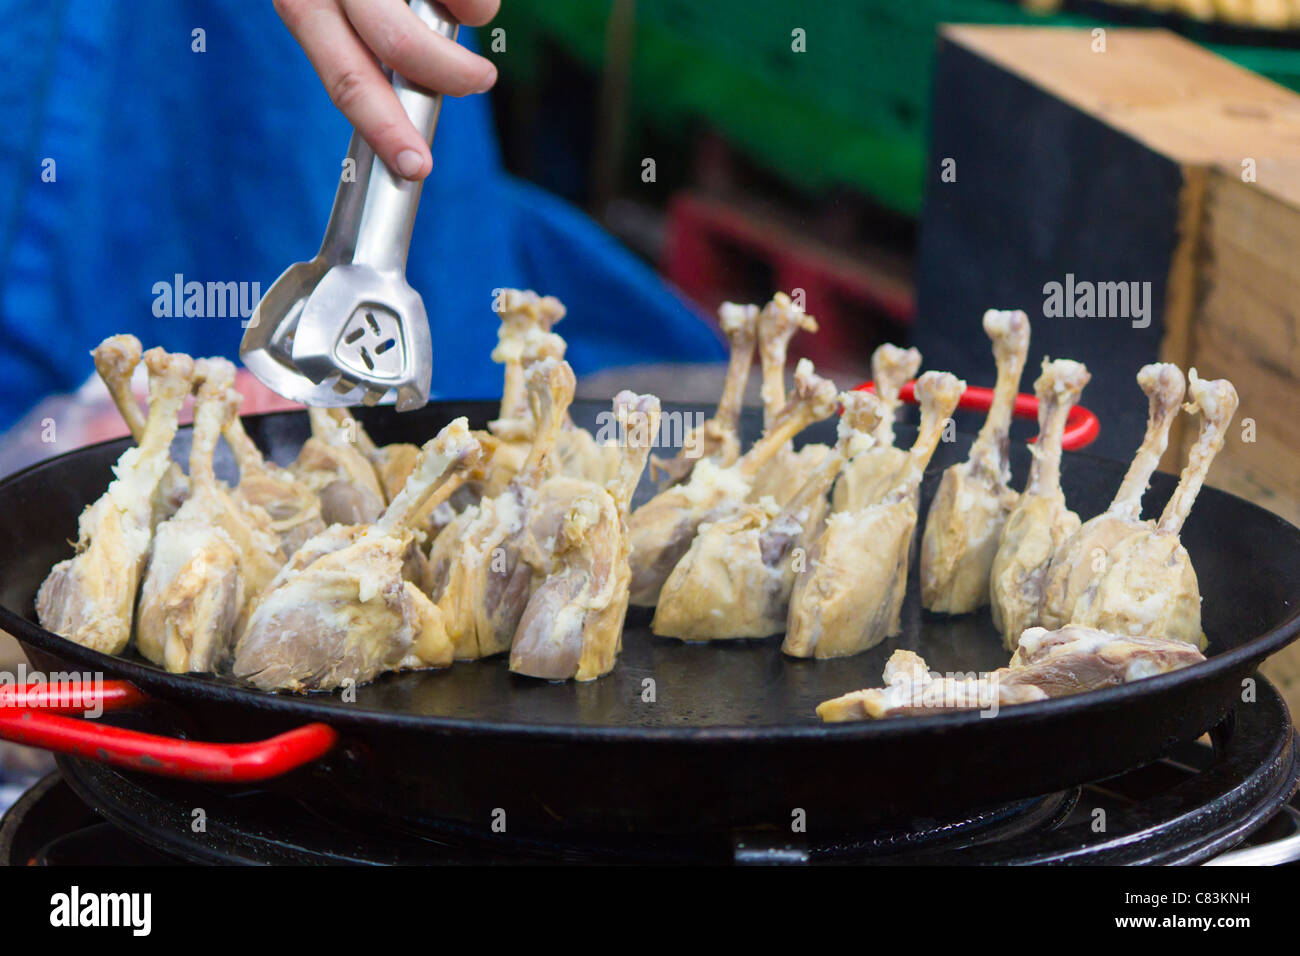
[[1040, 522], [349, 615], [572, 626], [1083, 554], [211, 558], [661, 530], [873, 467], [736, 579], [851, 596], [974, 499], [90, 597], [1148, 586], [718, 438], [1046, 664]]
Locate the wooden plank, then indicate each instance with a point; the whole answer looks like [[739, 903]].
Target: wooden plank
[[1173, 96], [1266, 486], [1251, 218], [1267, 470], [1234, 305]]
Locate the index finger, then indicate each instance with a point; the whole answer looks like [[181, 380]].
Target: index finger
[[357, 86]]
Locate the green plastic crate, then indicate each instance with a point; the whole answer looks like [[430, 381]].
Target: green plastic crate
[[850, 111]]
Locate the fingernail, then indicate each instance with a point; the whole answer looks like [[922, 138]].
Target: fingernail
[[488, 81], [409, 163]]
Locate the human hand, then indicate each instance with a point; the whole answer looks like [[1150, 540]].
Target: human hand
[[347, 40]]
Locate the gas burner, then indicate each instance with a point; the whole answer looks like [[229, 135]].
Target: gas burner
[[1188, 807]]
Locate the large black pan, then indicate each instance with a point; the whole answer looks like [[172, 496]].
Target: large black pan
[[692, 737]]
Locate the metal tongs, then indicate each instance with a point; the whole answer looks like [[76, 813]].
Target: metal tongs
[[346, 327]]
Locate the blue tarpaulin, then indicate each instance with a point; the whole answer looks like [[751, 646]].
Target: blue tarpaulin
[[129, 158]]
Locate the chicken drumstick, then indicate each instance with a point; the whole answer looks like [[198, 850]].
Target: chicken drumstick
[[736, 579], [572, 625], [332, 466], [293, 508], [1148, 586], [1084, 552], [718, 439], [487, 584], [350, 614], [211, 558], [871, 471], [851, 596], [116, 359], [661, 530], [1040, 522], [778, 322], [90, 598], [974, 499]]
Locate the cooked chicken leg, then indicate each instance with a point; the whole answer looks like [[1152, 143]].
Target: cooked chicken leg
[[974, 499], [1075, 659], [1040, 522], [572, 625], [415, 565], [350, 615], [912, 690], [525, 337], [789, 469], [1148, 587], [392, 463], [293, 508], [487, 584], [1083, 554], [872, 470], [90, 598], [661, 530], [718, 438], [1046, 664], [851, 596], [212, 557], [332, 466], [116, 359], [736, 579], [524, 316]]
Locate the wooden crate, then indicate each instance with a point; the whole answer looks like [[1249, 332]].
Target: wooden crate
[[1153, 160], [1244, 326]]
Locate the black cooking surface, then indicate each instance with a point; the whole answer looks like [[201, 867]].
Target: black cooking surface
[[737, 683], [725, 739]]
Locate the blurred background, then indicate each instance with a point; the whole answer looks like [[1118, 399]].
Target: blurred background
[[645, 160], [641, 159]]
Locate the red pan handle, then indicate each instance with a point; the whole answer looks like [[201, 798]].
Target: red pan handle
[[1081, 425], [29, 715]]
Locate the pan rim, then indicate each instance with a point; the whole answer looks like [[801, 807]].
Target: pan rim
[[309, 709]]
